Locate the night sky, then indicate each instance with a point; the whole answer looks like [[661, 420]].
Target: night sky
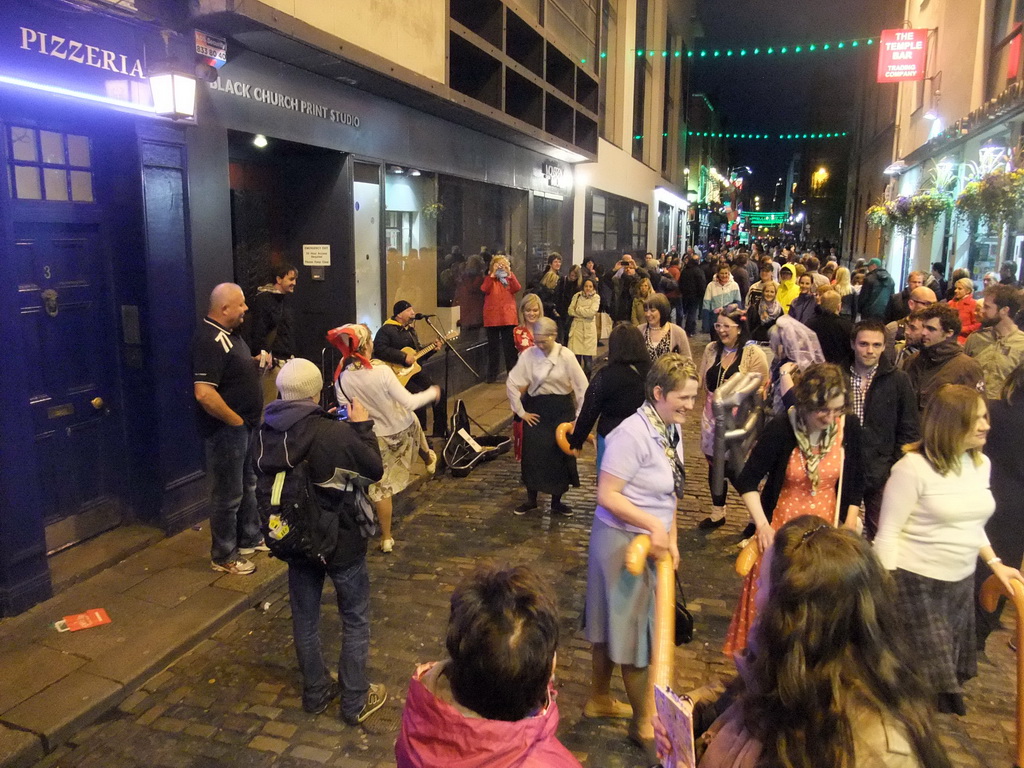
[[788, 93]]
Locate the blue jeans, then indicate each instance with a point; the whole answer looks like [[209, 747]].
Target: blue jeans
[[234, 521], [691, 309], [352, 584]]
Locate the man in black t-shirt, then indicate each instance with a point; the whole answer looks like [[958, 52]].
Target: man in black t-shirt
[[227, 388]]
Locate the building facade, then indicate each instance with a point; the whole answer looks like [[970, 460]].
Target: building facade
[[957, 125], [382, 166]]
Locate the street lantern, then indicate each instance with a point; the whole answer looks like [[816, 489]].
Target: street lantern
[[174, 90]]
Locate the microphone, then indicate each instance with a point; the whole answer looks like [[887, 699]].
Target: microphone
[[421, 316]]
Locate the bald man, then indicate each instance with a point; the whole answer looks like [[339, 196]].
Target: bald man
[[896, 331], [226, 384]]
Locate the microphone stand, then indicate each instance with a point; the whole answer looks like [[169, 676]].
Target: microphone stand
[[448, 348]]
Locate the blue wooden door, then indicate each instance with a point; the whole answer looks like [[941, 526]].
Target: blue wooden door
[[71, 374]]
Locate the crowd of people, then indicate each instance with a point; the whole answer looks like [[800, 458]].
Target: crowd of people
[[886, 471]]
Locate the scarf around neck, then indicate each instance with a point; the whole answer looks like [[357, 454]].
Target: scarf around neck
[[669, 439], [812, 459]]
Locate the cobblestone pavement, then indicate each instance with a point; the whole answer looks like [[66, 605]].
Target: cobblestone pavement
[[234, 700]]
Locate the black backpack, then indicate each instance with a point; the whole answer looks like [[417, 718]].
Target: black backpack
[[294, 525]]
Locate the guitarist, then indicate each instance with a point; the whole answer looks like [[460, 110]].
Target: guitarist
[[396, 334]]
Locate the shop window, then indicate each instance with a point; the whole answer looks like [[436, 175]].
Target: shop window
[[50, 166], [474, 221], [410, 238], [641, 74], [1005, 51], [546, 237], [604, 225], [639, 227]]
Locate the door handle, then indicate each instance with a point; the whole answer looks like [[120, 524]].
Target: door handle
[[49, 297]]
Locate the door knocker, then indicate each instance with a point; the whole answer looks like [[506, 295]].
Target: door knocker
[[50, 302]]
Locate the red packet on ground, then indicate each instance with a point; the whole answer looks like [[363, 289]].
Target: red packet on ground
[[676, 713], [77, 621]]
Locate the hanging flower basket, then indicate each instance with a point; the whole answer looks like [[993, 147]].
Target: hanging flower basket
[[996, 199], [878, 217], [900, 214], [927, 208]]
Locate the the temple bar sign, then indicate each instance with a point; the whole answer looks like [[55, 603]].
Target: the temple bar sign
[[902, 55]]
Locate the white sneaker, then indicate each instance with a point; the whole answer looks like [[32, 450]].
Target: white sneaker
[[239, 567], [431, 463]]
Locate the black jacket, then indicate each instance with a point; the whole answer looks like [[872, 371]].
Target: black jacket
[[833, 332], [878, 288], [343, 458], [890, 422], [269, 325], [771, 454], [389, 341], [897, 308], [692, 282], [615, 393]]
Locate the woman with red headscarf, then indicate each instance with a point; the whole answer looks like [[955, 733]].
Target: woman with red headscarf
[[392, 408]]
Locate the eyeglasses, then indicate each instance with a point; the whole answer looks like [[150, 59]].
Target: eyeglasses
[[724, 327], [829, 411]]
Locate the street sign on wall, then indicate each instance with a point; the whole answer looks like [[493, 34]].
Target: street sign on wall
[[902, 55]]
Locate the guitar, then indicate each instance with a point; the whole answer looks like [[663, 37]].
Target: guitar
[[406, 372]]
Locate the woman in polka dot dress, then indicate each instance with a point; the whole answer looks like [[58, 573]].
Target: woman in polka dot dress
[[806, 455]]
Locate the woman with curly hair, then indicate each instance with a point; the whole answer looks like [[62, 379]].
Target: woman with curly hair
[[826, 680], [810, 459]]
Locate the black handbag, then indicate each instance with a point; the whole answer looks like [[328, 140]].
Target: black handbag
[[684, 619]]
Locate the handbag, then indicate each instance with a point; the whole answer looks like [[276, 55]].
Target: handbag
[[684, 619]]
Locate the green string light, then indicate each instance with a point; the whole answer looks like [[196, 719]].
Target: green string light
[[763, 136], [742, 52]]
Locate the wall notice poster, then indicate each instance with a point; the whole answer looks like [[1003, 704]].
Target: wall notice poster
[[316, 255], [902, 55]]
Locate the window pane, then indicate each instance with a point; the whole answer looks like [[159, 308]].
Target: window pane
[[598, 203], [26, 183], [597, 241], [23, 142], [611, 241], [53, 147], [55, 182], [81, 186], [78, 151], [597, 223]]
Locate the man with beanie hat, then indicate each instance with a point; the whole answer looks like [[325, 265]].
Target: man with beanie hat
[[397, 334], [342, 460]]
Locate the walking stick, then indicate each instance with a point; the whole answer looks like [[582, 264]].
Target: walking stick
[[662, 655], [991, 591]]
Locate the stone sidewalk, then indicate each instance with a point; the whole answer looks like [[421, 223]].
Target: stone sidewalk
[[162, 600], [234, 698]]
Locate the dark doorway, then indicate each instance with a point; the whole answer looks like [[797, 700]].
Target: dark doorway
[[285, 195]]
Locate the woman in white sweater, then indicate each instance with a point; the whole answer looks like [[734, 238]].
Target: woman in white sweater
[[931, 534], [392, 408]]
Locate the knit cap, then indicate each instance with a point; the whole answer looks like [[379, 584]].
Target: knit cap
[[299, 379]]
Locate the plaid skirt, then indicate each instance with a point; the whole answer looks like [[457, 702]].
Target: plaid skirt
[[939, 627]]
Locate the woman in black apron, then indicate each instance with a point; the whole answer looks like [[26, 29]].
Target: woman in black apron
[[541, 391]]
